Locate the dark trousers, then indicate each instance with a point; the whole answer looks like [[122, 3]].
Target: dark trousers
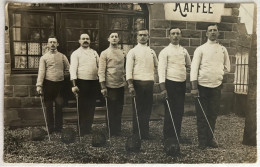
[[52, 93], [144, 102], [176, 96], [115, 109], [88, 90], [210, 101]]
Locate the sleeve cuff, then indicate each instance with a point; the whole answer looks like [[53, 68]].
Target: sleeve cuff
[[162, 86], [194, 85]]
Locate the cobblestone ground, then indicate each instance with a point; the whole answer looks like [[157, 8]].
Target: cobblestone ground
[[229, 133]]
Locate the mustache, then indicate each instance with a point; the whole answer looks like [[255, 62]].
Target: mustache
[[86, 42]]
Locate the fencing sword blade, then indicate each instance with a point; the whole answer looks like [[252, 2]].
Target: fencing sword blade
[[207, 120], [137, 119], [108, 123], [172, 121], [77, 101], [46, 124]]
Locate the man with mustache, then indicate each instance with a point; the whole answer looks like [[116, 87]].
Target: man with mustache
[[111, 77], [141, 64], [52, 68], [84, 78], [174, 63], [210, 62]]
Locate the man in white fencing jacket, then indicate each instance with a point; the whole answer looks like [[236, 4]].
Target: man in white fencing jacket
[[84, 77], [111, 77], [141, 63], [210, 62], [52, 69], [174, 63]]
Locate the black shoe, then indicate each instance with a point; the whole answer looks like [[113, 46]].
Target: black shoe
[[202, 146], [213, 144]]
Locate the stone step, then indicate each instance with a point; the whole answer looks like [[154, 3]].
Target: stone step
[[128, 100], [34, 116]]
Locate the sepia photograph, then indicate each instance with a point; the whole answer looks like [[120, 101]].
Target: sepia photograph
[[129, 83]]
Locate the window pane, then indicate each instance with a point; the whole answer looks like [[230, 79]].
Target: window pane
[[118, 23], [45, 48], [16, 19], [93, 35], [72, 34], [32, 20], [34, 49], [33, 61], [125, 23], [73, 23], [71, 47], [126, 37], [19, 48], [47, 21], [139, 23], [90, 23], [95, 46], [20, 34], [20, 62], [46, 33], [34, 35], [17, 35]]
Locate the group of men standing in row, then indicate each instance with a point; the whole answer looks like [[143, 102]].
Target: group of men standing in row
[[110, 71]]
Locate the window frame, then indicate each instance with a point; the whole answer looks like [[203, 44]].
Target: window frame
[[57, 10], [27, 41]]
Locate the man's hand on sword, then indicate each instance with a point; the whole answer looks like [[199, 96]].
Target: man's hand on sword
[[39, 90], [75, 90], [194, 89]]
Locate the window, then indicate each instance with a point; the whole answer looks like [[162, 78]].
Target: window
[[30, 25], [126, 27], [241, 73], [29, 35], [74, 25]]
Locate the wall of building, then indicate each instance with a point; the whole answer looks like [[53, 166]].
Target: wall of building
[[194, 35], [22, 106]]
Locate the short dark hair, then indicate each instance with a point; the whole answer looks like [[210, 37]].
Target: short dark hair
[[174, 28], [84, 33], [142, 29], [212, 24], [112, 33], [52, 36]]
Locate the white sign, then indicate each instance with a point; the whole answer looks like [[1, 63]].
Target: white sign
[[203, 12]]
